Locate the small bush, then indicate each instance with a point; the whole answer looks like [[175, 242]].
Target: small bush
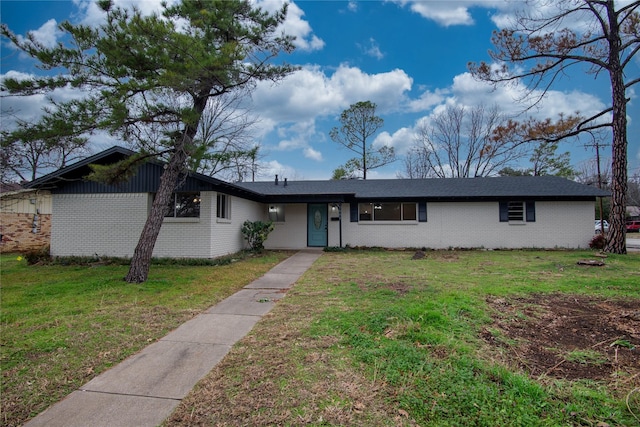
[[256, 232], [38, 256], [598, 241]]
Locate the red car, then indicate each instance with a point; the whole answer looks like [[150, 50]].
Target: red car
[[633, 226]]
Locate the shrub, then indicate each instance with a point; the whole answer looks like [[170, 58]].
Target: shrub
[[38, 256], [598, 241], [256, 232]]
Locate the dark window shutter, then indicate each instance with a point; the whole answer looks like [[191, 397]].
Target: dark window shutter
[[422, 211], [504, 212], [353, 210], [531, 211]]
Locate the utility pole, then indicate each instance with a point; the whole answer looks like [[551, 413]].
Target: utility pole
[[597, 146]]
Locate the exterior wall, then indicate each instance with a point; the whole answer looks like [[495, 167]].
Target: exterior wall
[[476, 224], [102, 224], [292, 233], [226, 235], [110, 225], [25, 220], [88, 224], [461, 224]]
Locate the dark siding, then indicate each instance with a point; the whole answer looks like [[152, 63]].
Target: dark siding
[[146, 180]]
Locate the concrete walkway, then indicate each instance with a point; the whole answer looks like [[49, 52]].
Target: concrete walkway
[[144, 389]]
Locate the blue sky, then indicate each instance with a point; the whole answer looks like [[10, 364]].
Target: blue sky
[[409, 57]]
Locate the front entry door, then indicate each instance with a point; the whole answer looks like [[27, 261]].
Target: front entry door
[[317, 225]]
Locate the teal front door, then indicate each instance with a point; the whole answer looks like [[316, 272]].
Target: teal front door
[[317, 225]]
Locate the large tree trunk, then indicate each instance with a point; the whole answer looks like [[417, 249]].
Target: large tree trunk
[[141, 260], [616, 240]]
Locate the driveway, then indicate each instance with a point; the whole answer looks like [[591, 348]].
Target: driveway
[[633, 243]]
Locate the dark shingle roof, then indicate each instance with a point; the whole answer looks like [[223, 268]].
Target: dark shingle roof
[[70, 179], [542, 187]]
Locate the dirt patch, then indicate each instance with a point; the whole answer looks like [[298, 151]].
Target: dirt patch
[[570, 337]]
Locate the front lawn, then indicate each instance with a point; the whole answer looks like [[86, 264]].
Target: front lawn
[[444, 338], [63, 325]]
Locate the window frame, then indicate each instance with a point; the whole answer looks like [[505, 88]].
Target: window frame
[[412, 216], [223, 207], [172, 211], [517, 211]]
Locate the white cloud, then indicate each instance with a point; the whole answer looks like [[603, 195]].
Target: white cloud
[[294, 24], [445, 14], [401, 140], [310, 93], [312, 154], [48, 34], [427, 100], [448, 13], [372, 49]]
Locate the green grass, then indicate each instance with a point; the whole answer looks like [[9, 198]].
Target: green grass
[[376, 338], [62, 325], [425, 343]]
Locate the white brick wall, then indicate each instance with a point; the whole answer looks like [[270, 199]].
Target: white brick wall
[[103, 224], [463, 224], [226, 235], [110, 224]]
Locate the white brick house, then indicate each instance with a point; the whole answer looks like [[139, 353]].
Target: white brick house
[[207, 214]]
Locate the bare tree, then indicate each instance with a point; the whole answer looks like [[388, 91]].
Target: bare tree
[[28, 153], [359, 124], [225, 145], [460, 143], [543, 48]]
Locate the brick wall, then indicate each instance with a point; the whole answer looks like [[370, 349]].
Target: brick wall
[[18, 235]]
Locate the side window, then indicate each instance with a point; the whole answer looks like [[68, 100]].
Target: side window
[[223, 206], [516, 211], [184, 205]]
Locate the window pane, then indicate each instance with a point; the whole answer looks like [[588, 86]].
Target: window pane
[[222, 208], [409, 211], [365, 211], [386, 212], [187, 205]]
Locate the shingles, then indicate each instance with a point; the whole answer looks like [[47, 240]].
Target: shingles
[[436, 188], [542, 187]]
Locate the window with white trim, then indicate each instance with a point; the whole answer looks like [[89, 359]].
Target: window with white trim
[[184, 205], [223, 206]]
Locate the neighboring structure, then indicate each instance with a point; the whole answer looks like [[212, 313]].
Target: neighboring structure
[[25, 219], [207, 214]]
